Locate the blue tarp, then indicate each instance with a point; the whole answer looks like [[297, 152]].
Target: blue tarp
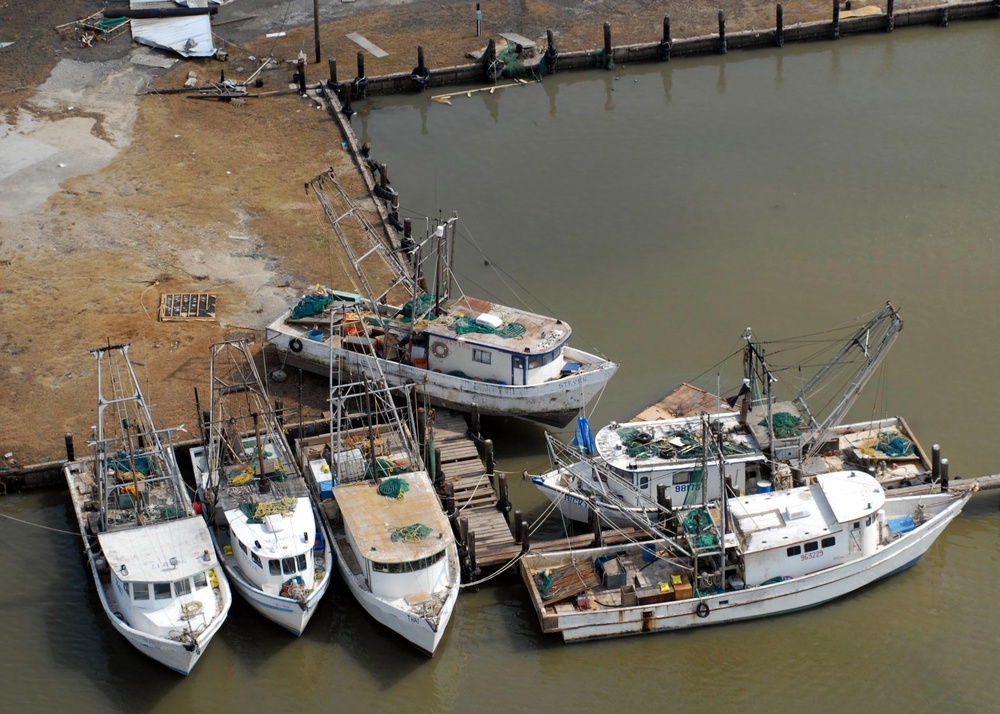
[[903, 524]]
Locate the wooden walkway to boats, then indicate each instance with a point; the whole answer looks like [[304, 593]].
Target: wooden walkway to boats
[[476, 499]]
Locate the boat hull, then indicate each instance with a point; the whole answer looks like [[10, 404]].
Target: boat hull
[[418, 631], [575, 507], [731, 606], [554, 403]]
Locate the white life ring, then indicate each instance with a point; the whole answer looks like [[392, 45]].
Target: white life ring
[[439, 349]]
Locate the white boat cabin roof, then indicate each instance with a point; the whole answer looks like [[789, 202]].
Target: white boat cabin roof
[[165, 551], [372, 519], [741, 446], [286, 530], [782, 518], [543, 334]]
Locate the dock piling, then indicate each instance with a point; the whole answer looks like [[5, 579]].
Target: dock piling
[[609, 52], [361, 81], [70, 451], [479, 20], [935, 463], [723, 48], [491, 463], [890, 21], [473, 565], [665, 42], [944, 475], [503, 503], [523, 530], [332, 63], [944, 16], [551, 53], [779, 25], [835, 31], [518, 522]]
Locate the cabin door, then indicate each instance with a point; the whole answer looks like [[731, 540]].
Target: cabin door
[[518, 369], [855, 546]]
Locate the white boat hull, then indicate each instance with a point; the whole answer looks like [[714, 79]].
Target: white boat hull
[[555, 402], [575, 507], [416, 630], [733, 606]]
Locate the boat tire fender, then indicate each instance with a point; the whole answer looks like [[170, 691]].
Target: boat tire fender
[[295, 345], [702, 610], [643, 437], [439, 349]]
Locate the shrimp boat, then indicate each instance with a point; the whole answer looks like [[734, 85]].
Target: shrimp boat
[[632, 471], [394, 544], [264, 525], [466, 353], [739, 558], [150, 554]]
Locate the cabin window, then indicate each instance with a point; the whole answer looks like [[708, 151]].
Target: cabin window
[[200, 581], [482, 356], [182, 587], [810, 547], [536, 361], [682, 478], [857, 524], [408, 567], [869, 520], [301, 560], [242, 546], [125, 588], [644, 482], [274, 567], [288, 565], [140, 591], [794, 550], [829, 542], [256, 560], [161, 591]]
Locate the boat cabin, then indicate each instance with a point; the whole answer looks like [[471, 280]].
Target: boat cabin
[[400, 543], [163, 575], [788, 534], [644, 455]]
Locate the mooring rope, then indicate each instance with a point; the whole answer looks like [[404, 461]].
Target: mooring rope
[[39, 525]]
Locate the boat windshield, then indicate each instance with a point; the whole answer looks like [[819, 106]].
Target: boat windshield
[[410, 566]]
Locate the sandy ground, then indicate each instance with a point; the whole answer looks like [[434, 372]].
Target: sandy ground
[[109, 199]]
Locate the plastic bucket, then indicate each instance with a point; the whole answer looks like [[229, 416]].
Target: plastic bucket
[[315, 335], [763, 487], [648, 553]]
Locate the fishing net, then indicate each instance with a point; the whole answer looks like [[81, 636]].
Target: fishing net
[[463, 325], [393, 487], [311, 305], [256, 512], [410, 534], [894, 445], [418, 308], [786, 426]]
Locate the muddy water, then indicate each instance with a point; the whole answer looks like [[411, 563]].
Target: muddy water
[[660, 211]]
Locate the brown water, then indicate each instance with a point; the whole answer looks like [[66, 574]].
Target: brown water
[[659, 210]]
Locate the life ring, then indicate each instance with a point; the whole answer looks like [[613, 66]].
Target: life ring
[[439, 349], [295, 344], [702, 610]]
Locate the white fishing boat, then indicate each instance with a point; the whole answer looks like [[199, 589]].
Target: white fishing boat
[[739, 558], [394, 545], [464, 352], [632, 471], [264, 525], [150, 554]]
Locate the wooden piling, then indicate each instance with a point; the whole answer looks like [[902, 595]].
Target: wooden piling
[[935, 463], [463, 531], [316, 27], [665, 42], [301, 75], [473, 565], [551, 53], [475, 421], [438, 473], [449, 498], [890, 20], [723, 48], [332, 62], [503, 502], [609, 52], [944, 474], [779, 40], [361, 82], [479, 20], [488, 457], [835, 31], [383, 177], [518, 522], [525, 544], [595, 524], [944, 16], [70, 451], [421, 65]]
